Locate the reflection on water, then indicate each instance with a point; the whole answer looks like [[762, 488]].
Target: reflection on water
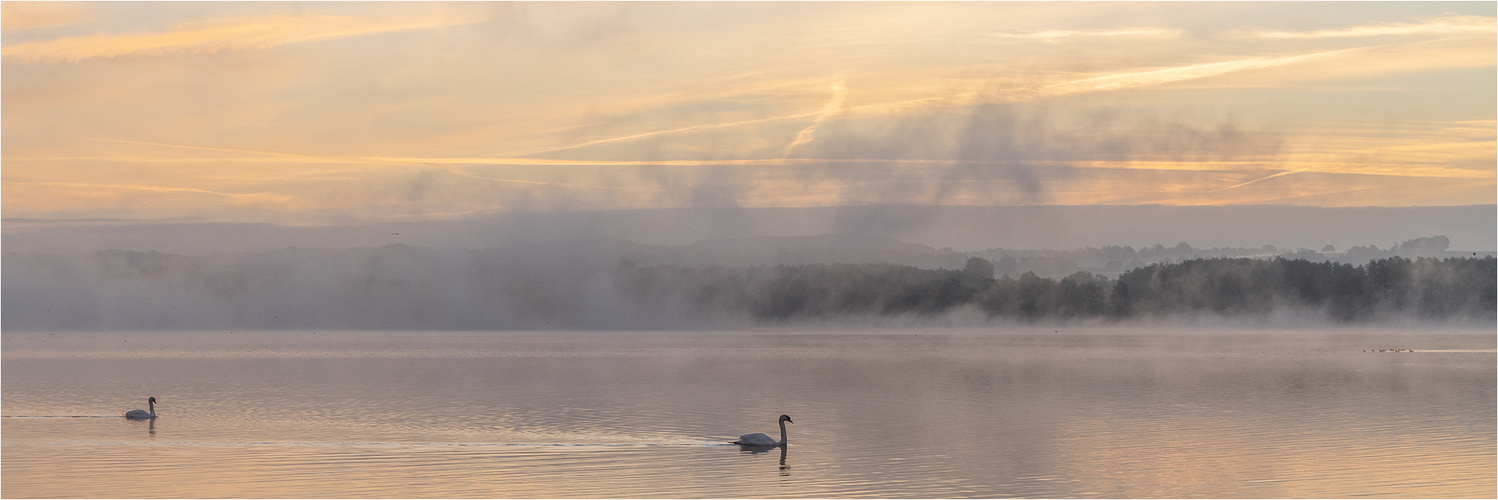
[[1102, 413]]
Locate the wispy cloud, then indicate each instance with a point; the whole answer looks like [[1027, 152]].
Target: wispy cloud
[[1060, 34], [680, 130], [1164, 76], [567, 106], [219, 35], [1104, 83], [1443, 25], [940, 100]]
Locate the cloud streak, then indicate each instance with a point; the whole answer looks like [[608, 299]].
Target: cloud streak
[[1265, 178], [1060, 34], [242, 198], [1104, 83], [300, 157], [1150, 78], [219, 35], [1444, 25]]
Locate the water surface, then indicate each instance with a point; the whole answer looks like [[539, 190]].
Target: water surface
[[925, 413]]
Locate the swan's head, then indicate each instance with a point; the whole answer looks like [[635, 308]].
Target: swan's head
[[152, 400], [786, 418]]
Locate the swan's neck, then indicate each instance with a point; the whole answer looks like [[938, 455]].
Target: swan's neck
[[782, 432], [152, 406]]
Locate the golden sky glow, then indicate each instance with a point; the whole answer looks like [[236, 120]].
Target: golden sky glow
[[305, 113]]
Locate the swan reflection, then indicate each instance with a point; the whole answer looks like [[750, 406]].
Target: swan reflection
[[757, 449], [785, 470]]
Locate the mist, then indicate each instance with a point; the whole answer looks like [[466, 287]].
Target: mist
[[388, 287], [597, 283]]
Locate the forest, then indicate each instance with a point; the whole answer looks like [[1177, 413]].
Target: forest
[[1422, 288]]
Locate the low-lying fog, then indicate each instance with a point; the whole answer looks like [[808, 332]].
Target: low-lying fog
[[589, 281]]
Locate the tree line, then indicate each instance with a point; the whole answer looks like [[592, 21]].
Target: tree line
[[1423, 288]]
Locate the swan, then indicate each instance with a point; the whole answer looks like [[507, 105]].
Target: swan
[[760, 439], [142, 414]]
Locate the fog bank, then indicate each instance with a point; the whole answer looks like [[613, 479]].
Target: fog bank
[[609, 284]]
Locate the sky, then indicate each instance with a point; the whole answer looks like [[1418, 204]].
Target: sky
[[355, 112]]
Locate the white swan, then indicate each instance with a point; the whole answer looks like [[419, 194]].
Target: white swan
[[760, 439], [142, 414]]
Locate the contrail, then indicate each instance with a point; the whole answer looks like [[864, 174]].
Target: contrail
[[805, 135], [449, 164], [1104, 83], [1267, 177], [340, 159], [215, 148], [134, 187], [696, 128], [1164, 76], [164, 189]]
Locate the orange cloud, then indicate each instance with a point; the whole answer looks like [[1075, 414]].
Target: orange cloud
[[219, 35]]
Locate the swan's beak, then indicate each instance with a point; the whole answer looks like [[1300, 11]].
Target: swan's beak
[[790, 421]]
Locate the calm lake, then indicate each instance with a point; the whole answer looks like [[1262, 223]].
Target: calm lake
[[914, 413]]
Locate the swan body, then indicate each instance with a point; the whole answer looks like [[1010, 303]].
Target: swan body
[[142, 414], [760, 439]]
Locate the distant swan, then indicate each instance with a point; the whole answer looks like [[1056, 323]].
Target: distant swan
[[142, 414], [760, 439]]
